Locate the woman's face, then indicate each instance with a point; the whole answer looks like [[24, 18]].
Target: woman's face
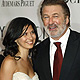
[[28, 39]]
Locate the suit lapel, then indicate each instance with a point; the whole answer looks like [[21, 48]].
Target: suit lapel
[[46, 61], [69, 57]]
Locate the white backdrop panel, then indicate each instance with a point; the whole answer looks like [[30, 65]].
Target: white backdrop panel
[[10, 9]]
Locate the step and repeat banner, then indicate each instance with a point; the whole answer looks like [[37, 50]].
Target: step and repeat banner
[[10, 9]]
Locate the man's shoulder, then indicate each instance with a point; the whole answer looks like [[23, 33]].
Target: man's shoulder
[[74, 36], [44, 42], [75, 33], [1, 59]]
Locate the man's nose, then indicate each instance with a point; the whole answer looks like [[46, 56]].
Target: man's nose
[[51, 20]]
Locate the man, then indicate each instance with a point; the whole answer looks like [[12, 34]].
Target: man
[[56, 19]]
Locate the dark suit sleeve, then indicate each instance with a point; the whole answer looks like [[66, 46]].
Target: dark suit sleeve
[[1, 59]]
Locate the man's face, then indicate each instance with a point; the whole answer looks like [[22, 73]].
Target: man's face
[[54, 21]]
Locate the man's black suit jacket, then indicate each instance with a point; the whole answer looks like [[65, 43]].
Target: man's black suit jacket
[[71, 62], [1, 59]]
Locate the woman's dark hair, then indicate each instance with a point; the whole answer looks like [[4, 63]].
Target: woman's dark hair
[[14, 31]]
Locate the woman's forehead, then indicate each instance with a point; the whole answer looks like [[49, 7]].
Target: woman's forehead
[[28, 27]]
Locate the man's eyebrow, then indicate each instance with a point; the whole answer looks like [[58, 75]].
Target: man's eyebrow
[[45, 14]]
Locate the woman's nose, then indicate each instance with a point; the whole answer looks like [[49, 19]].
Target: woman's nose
[[29, 36]]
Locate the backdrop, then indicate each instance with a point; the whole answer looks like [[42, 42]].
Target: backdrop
[[10, 9]]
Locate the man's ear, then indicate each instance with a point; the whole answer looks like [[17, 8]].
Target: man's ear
[[67, 20]]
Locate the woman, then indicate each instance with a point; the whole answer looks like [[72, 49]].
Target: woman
[[19, 40]]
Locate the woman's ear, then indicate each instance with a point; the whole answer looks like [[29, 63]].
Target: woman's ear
[[16, 41]]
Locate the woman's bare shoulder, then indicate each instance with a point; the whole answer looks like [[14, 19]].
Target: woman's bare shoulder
[[9, 63]]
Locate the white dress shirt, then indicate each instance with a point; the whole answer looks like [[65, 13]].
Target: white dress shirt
[[53, 48]]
